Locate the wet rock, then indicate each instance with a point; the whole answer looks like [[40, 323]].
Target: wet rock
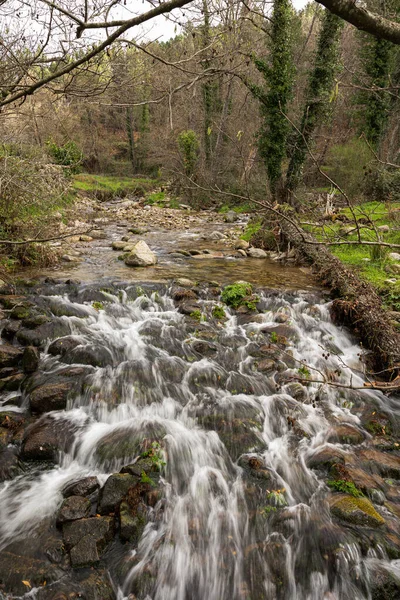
[[10, 329], [113, 491], [204, 348], [281, 317], [141, 256], [386, 465], [9, 355], [132, 522], [10, 300], [358, 511], [188, 308], [73, 508], [297, 391], [256, 253], [85, 553], [8, 464], [30, 359], [63, 345], [48, 331], [179, 294], [183, 282], [16, 568], [87, 539], [266, 366], [12, 383], [83, 487], [138, 230], [346, 434], [20, 312], [326, 457], [217, 235], [364, 481], [231, 217], [50, 396], [241, 245], [96, 356], [384, 583], [44, 439]]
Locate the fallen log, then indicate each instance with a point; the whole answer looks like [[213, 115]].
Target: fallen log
[[356, 303]]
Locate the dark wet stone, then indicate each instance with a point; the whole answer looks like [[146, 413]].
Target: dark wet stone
[[187, 308], [297, 391], [35, 321], [384, 584], [63, 309], [8, 371], [326, 457], [44, 439], [83, 487], [9, 355], [15, 568], [30, 359], [85, 553], [20, 312], [94, 585], [386, 465], [266, 366], [114, 490], [10, 329], [50, 396], [10, 300], [100, 529], [73, 508], [346, 434], [181, 293], [12, 383], [132, 522], [48, 331], [96, 356], [204, 348], [8, 464], [63, 345]]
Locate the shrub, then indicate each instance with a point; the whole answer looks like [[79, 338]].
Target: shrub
[[234, 294], [188, 145], [68, 155]]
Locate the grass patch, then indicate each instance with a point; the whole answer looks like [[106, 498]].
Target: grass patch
[[241, 208], [108, 187], [251, 229], [372, 263]]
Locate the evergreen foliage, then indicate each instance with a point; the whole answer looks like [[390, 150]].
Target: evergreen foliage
[[188, 145]]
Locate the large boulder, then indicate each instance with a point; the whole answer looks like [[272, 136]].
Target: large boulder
[[50, 396], [88, 539], [9, 355], [48, 331], [83, 487], [46, 438], [141, 256]]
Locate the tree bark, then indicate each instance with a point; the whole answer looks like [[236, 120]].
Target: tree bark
[[357, 305], [363, 19]]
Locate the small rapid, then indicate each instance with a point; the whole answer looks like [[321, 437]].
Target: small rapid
[[244, 458]]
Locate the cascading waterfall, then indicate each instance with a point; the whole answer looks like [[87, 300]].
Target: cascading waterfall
[[238, 512]]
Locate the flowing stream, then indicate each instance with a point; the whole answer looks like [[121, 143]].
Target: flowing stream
[[238, 513]]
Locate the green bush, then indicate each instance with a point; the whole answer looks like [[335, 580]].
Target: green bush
[[68, 155], [234, 294], [189, 146], [382, 185]]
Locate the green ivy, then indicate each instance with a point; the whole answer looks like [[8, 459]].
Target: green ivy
[[188, 145]]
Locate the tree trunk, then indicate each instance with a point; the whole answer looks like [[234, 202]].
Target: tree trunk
[[357, 305]]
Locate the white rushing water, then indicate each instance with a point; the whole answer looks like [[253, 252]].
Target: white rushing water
[[214, 535]]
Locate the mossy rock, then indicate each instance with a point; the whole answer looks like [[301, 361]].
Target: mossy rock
[[358, 511]]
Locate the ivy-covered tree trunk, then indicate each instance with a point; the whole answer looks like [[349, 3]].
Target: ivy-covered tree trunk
[[318, 97], [275, 95], [378, 57]]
